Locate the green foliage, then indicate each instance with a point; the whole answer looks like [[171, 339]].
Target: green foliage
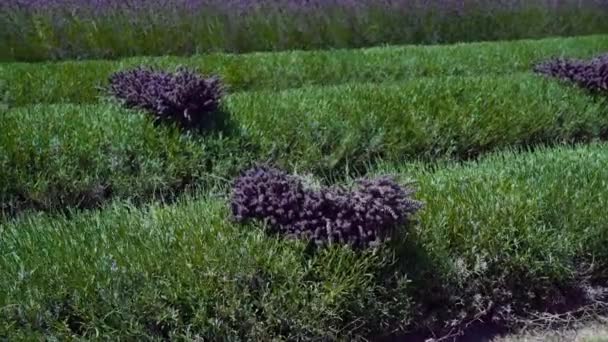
[[78, 81], [514, 224], [183, 272], [329, 128], [78, 155], [496, 230], [5, 100], [68, 155], [543, 210], [71, 34]]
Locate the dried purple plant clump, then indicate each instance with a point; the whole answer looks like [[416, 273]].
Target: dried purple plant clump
[[589, 74], [266, 193], [361, 217], [184, 97]]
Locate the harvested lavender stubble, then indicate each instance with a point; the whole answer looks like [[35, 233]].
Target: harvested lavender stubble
[[364, 216]]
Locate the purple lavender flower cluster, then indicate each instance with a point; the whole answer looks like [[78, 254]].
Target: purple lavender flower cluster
[[589, 74], [235, 5], [183, 97], [361, 217], [283, 4]]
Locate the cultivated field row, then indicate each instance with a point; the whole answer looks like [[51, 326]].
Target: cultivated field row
[[80, 155], [116, 225], [39, 30], [79, 81], [187, 271]]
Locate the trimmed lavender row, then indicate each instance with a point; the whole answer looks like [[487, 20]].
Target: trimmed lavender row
[[79, 81], [34, 30]]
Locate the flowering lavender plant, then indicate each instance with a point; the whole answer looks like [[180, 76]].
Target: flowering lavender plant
[[184, 97], [589, 74], [35, 30], [361, 217]]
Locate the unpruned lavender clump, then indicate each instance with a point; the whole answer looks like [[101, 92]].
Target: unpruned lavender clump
[[266, 193], [364, 216], [589, 74], [184, 97]]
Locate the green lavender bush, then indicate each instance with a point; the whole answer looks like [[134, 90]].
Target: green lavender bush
[[80, 81], [59, 156], [184, 271]]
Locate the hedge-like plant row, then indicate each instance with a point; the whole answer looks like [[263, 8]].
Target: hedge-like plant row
[[57, 156], [78, 81], [185, 271], [325, 128], [513, 233], [67, 155]]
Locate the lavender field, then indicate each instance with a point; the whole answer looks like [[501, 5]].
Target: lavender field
[[302, 170], [36, 30]]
